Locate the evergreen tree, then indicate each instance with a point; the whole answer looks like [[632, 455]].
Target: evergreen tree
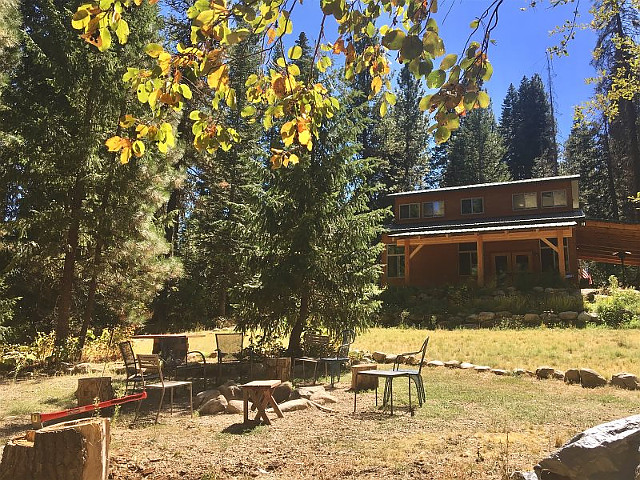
[[406, 138], [314, 262], [76, 216], [527, 126], [474, 153]]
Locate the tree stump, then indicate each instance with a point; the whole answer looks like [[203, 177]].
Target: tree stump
[[76, 450], [94, 387], [363, 382], [278, 368]]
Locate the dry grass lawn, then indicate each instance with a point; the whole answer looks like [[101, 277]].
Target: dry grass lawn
[[472, 425]]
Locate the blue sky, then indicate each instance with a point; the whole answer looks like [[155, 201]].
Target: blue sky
[[522, 38]]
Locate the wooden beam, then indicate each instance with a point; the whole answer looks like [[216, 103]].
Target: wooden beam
[[550, 245], [561, 266], [415, 250], [407, 261], [480, 253], [487, 237]]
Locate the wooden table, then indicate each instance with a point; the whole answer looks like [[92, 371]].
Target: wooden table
[[388, 375], [260, 392]]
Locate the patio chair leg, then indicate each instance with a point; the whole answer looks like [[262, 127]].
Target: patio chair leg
[[171, 395], [137, 411], [191, 399], [160, 406], [410, 407]]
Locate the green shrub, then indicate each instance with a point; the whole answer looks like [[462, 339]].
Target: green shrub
[[621, 309]]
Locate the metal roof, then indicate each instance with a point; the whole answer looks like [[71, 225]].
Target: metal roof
[[483, 185], [496, 228], [486, 223]]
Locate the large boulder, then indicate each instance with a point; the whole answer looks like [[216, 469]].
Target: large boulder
[[323, 397], [605, 452], [231, 391], [591, 379], [482, 368], [282, 392], [568, 316], [215, 405], [235, 406], [452, 364], [544, 372], [523, 476], [293, 405], [627, 381], [572, 376], [486, 316], [532, 319], [204, 396], [390, 358], [466, 365], [379, 357], [435, 363]]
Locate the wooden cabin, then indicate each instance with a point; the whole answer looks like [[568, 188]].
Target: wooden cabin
[[494, 231]]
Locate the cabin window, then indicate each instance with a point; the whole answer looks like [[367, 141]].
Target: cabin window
[[549, 258], [468, 258], [395, 261], [472, 205], [433, 209], [410, 210], [554, 198], [524, 201]]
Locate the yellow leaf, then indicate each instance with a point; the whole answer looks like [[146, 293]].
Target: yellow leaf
[[164, 61], [218, 77], [304, 137], [125, 155], [293, 158], [376, 84], [114, 143], [138, 148], [127, 121]]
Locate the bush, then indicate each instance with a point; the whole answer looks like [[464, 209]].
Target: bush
[[621, 309]]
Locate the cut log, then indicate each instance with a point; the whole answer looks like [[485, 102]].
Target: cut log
[[76, 450], [363, 382], [94, 387], [278, 368]]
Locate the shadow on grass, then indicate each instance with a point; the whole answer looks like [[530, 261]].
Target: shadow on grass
[[244, 428]]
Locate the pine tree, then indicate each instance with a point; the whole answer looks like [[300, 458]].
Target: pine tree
[[76, 213], [315, 265], [474, 153], [527, 126], [406, 138]]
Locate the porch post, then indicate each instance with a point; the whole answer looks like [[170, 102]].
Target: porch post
[[407, 261], [563, 271], [480, 253]]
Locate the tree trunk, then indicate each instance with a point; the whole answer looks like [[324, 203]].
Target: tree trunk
[[611, 182], [295, 339], [68, 272], [91, 298], [76, 450]]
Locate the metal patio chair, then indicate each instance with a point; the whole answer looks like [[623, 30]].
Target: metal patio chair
[[152, 364], [314, 347], [334, 363], [132, 371], [230, 350], [414, 374]]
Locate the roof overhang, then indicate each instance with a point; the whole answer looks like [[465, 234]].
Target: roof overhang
[[603, 241]]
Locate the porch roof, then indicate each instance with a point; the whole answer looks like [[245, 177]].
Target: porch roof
[[558, 220], [603, 241]]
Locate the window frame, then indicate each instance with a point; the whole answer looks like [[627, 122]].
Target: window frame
[[524, 194], [400, 259], [408, 205], [441, 202], [467, 249], [553, 196], [471, 199]]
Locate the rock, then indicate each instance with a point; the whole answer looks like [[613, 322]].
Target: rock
[[523, 476], [489, 323], [519, 371], [499, 371], [81, 368], [591, 379], [282, 392], [504, 314], [568, 316], [390, 358], [572, 376], [413, 359], [585, 318], [293, 405], [203, 397], [323, 397], [469, 326], [485, 316], [549, 290], [499, 293], [306, 392], [550, 319], [435, 363], [544, 372], [605, 452], [538, 290], [473, 318], [482, 368], [213, 406], [558, 374], [452, 364], [234, 406], [532, 319], [231, 391], [627, 381], [379, 357], [466, 365]]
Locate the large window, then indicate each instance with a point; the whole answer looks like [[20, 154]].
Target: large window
[[410, 210], [472, 205], [433, 209], [395, 261], [549, 257], [555, 198], [523, 201], [468, 258]]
